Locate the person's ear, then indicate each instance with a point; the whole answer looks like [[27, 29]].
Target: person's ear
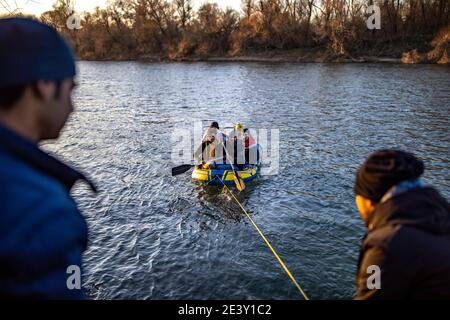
[[365, 206], [45, 90]]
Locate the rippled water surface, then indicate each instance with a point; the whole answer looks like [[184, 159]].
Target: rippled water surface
[[153, 236]]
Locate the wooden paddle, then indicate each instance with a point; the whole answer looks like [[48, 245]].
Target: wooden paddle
[[240, 185], [186, 167]]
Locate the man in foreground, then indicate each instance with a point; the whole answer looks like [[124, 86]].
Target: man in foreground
[[408, 236], [42, 233]]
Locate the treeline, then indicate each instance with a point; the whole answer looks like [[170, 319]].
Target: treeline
[[139, 29]]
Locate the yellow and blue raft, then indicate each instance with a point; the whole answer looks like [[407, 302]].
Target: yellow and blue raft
[[224, 173]]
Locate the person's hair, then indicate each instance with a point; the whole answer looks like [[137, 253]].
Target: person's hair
[[10, 95], [245, 130], [214, 125]]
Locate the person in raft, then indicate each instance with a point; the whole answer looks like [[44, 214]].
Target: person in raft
[[406, 251], [212, 143], [251, 149], [42, 233], [236, 150]]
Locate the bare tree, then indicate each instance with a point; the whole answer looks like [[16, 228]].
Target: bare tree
[[171, 27], [248, 8], [184, 10]]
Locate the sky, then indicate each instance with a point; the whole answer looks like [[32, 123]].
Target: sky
[[39, 6]]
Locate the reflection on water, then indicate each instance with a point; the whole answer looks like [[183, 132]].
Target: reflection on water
[[162, 237]]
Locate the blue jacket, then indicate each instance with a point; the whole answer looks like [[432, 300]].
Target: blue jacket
[[42, 232]]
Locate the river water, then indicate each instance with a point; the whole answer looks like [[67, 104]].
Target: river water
[[153, 236]]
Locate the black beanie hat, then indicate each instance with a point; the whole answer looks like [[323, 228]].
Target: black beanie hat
[[385, 169], [31, 51]]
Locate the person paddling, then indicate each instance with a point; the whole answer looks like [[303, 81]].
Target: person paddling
[[214, 139], [406, 251]]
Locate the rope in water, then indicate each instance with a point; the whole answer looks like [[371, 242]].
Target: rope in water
[[268, 243]]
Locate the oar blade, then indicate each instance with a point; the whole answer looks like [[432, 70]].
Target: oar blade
[[240, 185], [181, 169]]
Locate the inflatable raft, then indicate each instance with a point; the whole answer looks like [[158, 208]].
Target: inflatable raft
[[223, 172]]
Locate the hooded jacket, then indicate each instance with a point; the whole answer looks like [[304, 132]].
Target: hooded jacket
[[408, 238], [42, 232]]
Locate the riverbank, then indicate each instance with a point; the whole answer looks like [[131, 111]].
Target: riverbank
[[304, 55], [286, 57], [413, 50]]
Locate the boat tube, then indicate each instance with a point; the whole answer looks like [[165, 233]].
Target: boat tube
[[224, 173]]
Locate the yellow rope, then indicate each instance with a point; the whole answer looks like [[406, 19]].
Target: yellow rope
[[268, 244]]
